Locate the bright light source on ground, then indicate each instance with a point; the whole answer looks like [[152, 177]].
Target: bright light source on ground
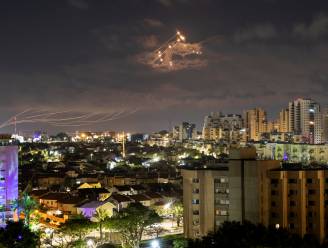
[[90, 243], [155, 244], [167, 205]]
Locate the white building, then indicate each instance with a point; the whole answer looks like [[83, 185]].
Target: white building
[[305, 119]]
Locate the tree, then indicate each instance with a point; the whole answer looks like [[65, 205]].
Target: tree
[[180, 243], [177, 212], [100, 216], [131, 223], [18, 235], [27, 205], [77, 228]]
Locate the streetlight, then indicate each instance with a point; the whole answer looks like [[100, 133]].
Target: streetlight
[[155, 244], [167, 205], [90, 243]]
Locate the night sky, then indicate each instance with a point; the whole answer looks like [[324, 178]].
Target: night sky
[[83, 55]]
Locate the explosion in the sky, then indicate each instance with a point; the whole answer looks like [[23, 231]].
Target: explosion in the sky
[[175, 54]]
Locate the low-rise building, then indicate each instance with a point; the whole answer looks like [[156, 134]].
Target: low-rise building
[[90, 208]]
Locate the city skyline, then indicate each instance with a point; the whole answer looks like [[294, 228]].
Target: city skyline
[[85, 56]]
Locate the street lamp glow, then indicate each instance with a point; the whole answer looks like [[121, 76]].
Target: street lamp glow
[[90, 243], [167, 205], [155, 244]]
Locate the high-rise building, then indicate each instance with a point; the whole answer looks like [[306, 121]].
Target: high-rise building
[[219, 127], [273, 126], [325, 125], [232, 191], [305, 119], [8, 182], [185, 131], [255, 123], [298, 200], [284, 121], [212, 127]]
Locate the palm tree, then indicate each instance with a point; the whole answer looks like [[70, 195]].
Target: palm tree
[[27, 204], [100, 216]]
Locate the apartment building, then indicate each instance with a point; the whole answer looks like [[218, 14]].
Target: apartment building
[[231, 191], [299, 199]]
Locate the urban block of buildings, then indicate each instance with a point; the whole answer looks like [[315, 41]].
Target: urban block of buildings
[[261, 191]]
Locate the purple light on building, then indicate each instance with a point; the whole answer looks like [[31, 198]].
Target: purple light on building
[[285, 156], [8, 181]]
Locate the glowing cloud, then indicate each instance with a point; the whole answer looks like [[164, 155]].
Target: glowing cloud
[[175, 54]]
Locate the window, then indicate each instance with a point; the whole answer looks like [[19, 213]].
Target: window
[[274, 181], [274, 215], [291, 225], [309, 180], [195, 201], [221, 212], [292, 203], [195, 212], [221, 180], [326, 180], [292, 192], [195, 191], [274, 192], [310, 214], [195, 222], [224, 202], [292, 180], [273, 204], [311, 192], [292, 214], [195, 180], [311, 203]]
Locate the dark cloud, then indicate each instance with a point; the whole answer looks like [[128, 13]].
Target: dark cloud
[[317, 28], [168, 3], [260, 32], [258, 53], [153, 23], [80, 4]]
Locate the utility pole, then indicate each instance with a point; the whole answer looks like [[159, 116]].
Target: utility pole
[[123, 145]]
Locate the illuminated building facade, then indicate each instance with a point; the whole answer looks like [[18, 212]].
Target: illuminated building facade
[[219, 127], [284, 121], [8, 182], [185, 131], [233, 191], [298, 199], [255, 123], [305, 119]]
